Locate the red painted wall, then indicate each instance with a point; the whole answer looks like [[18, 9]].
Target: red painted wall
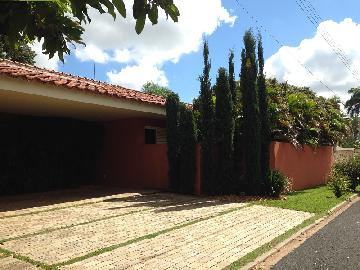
[[126, 160], [308, 167]]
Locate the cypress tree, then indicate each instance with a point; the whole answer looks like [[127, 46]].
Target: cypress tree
[[224, 130], [206, 125], [251, 123], [264, 115], [172, 122], [187, 150], [232, 83], [237, 156]]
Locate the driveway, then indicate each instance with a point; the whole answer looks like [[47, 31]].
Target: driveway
[[336, 246], [131, 230]]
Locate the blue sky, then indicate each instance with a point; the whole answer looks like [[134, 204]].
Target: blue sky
[[283, 18]]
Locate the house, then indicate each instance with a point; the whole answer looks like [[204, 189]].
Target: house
[[132, 144]]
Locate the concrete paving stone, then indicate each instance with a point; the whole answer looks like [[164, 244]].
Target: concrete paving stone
[[28, 210], [10, 263], [62, 245], [213, 243], [106, 207]]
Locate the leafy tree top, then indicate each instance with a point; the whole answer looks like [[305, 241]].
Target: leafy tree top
[[155, 89], [299, 116], [353, 104], [58, 22], [21, 52]]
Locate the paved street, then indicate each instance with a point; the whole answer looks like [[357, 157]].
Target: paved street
[[137, 231], [336, 246]]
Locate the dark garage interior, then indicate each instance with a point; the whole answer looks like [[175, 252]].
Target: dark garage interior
[[47, 153]]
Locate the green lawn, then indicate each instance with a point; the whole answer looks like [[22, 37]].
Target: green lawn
[[316, 200]]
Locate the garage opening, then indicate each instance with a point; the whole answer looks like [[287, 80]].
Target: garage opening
[[47, 153]]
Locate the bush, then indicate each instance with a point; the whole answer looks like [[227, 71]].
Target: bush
[[277, 183], [351, 169], [338, 183]]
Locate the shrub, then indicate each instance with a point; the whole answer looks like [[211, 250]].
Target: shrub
[[351, 169], [277, 183], [338, 183]]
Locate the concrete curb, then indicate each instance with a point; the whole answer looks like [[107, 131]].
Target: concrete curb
[[332, 213]]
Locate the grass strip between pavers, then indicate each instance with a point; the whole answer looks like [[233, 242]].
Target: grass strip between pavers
[[251, 256], [48, 210], [45, 266], [148, 236], [8, 253], [62, 207], [49, 230]]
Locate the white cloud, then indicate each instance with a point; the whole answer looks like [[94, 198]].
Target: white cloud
[[136, 76], [92, 53], [316, 54], [42, 60], [122, 56], [157, 44]]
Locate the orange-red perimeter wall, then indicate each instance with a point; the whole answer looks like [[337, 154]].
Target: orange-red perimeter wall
[[126, 160], [308, 167]]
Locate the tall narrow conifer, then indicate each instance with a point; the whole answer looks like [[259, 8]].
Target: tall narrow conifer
[[206, 126], [251, 123], [172, 121], [187, 156], [224, 131], [264, 115]]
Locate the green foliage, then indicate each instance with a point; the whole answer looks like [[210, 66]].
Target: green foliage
[[276, 183], [59, 22], [264, 114], [338, 183], [232, 82], [251, 123], [353, 138], [224, 131], [349, 168], [353, 104], [20, 53], [206, 125], [155, 89], [173, 140], [300, 117], [187, 154]]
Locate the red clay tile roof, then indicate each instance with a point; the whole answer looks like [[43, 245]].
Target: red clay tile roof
[[32, 73]]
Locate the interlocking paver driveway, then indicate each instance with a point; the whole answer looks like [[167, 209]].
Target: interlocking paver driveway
[[134, 231], [9, 263]]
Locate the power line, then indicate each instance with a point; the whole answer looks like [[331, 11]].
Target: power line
[[312, 15], [280, 44]]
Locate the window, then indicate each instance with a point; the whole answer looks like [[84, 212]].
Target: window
[[150, 136], [155, 135]]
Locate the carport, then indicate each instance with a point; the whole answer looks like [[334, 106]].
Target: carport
[[59, 130]]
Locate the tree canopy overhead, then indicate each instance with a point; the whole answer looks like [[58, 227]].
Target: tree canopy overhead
[[155, 89], [58, 22], [21, 53], [353, 104]]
